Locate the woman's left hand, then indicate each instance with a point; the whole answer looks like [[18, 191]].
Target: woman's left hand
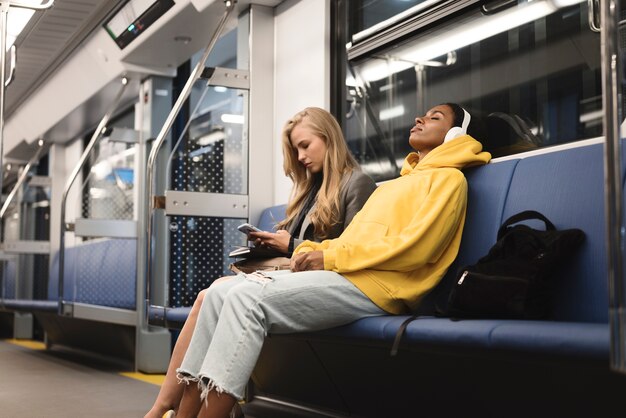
[[312, 260]]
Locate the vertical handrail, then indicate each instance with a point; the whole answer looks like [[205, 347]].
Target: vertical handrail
[[81, 162], [21, 179], [158, 142], [4, 11], [611, 80]]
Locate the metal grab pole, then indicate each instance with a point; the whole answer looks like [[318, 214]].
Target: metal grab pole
[[4, 11], [611, 78], [98, 132], [184, 94]]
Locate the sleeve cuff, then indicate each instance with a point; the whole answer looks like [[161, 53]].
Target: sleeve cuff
[[329, 259], [291, 245], [302, 246]]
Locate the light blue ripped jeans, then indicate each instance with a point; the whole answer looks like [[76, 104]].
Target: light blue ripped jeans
[[238, 313]]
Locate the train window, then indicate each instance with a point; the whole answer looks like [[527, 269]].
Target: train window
[[108, 189], [225, 53], [369, 16], [530, 71]]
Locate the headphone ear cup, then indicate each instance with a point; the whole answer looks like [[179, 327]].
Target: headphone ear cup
[[455, 132]]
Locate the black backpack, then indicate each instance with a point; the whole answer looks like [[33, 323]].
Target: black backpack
[[514, 280]]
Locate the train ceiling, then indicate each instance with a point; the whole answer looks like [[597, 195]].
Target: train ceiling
[[50, 37]]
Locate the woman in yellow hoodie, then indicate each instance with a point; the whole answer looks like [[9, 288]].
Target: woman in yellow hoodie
[[393, 252]]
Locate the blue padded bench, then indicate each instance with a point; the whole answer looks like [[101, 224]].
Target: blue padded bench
[[552, 184], [99, 272], [555, 367], [175, 317], [9, 303]]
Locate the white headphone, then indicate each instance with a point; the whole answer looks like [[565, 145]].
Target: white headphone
[[457, 131]]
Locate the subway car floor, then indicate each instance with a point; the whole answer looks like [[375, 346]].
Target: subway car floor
[[39, 383]]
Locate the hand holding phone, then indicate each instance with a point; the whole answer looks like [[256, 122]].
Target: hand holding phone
[[247, 228]]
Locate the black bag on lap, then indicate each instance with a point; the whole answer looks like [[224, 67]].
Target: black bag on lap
[[514, 280]]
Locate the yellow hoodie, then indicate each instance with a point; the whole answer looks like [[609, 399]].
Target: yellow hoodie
[[400, 244]]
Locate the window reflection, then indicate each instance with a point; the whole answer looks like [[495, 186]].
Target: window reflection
[[370, 15], [531, 73], [108, 189]]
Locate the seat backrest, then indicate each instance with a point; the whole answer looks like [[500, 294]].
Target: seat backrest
[[100, 272], [568, 188], [9, 279], [271, 216]]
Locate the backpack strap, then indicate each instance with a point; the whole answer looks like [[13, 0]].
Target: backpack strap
[[523, 216], [399, 334]]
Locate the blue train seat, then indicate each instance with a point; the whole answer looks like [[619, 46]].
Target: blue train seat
[[99, 272], [491, 364]]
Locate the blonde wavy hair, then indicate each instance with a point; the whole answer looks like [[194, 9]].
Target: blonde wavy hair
[[338, 162]]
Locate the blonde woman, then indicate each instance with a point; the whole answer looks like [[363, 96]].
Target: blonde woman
[[328, 190]]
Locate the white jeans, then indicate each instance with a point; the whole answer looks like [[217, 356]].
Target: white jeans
[[238, 313]]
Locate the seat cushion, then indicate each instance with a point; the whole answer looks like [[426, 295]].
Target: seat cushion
[[589, 340]]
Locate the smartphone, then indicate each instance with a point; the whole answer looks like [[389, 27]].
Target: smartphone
[[247, 228]]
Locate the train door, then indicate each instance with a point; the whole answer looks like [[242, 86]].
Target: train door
[[214, 175]]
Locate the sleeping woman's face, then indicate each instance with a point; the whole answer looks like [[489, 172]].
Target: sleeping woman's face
[[430, 129]]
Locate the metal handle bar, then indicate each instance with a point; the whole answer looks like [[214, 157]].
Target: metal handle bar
[[83, 158], [184, 94], [12, 69], [22, 5], [591, 15]]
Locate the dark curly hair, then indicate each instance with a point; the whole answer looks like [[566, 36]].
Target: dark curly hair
[[475, 128]]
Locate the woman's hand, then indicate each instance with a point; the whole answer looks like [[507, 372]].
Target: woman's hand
[[278, 240], [312, 260]]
